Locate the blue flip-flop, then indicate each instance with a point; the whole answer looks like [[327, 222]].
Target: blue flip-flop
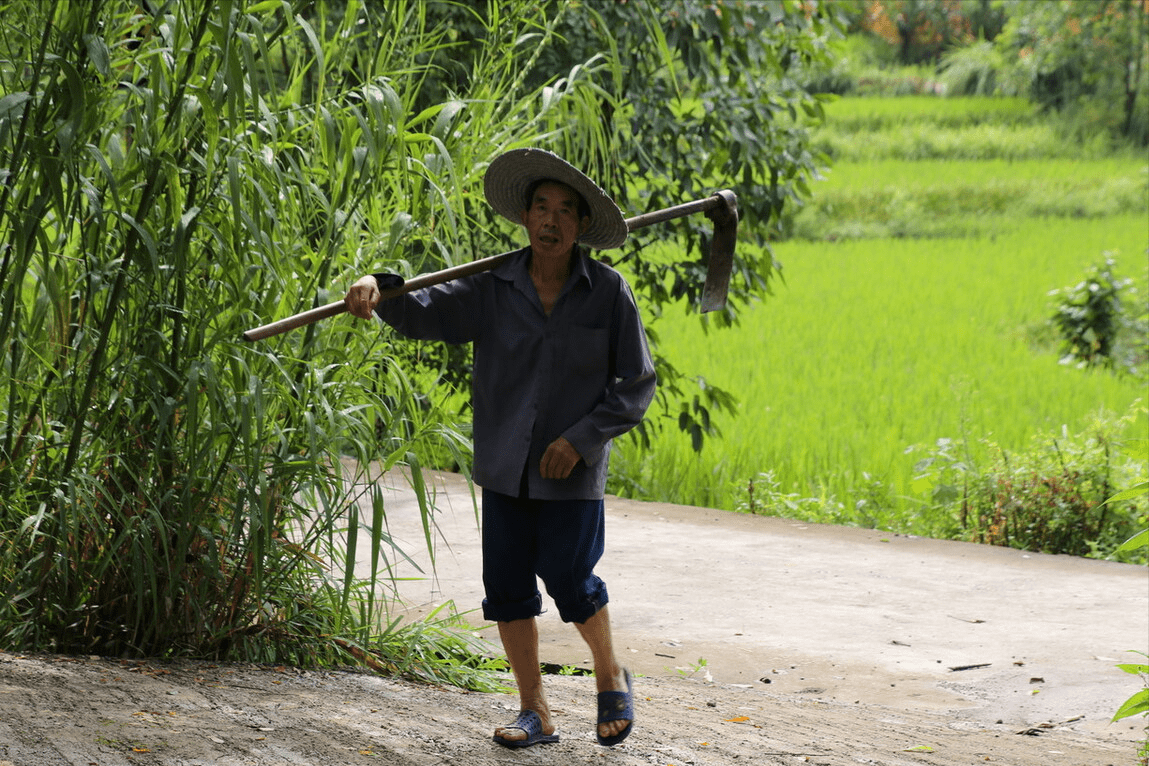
[[529, 722], [616, 706]]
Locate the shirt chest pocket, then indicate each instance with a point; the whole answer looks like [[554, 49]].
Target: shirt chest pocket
[[587, 352]]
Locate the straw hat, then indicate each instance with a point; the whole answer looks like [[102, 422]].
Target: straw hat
[[511, 174]]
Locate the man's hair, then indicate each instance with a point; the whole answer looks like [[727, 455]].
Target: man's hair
[[583, 207]]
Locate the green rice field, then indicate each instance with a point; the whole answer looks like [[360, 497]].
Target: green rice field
[[969, 198], [851, 113], [881, 340], [874, 346]]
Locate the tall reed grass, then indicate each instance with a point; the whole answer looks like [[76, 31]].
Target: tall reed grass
[[170, 180]]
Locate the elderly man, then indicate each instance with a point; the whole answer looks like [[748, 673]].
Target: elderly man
[[561, 367]]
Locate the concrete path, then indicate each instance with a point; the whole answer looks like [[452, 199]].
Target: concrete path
[[991, 634]]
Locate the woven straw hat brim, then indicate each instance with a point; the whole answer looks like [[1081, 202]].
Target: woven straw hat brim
[[510, 175]]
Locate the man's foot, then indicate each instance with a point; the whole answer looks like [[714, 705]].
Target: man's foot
[[615, 709], [527, 730]]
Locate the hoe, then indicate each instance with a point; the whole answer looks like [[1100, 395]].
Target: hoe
[[721, 207]]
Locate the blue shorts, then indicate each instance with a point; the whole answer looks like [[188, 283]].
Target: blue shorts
[[559, 541]]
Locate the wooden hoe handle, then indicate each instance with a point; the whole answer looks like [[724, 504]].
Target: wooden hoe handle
[[721, 206]]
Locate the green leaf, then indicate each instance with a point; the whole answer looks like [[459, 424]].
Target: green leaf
[[1138, 704], [11, 102], [419, 485], [1134, 668], [1139, 540], [1135, 491], [98, 53], [316, 46]]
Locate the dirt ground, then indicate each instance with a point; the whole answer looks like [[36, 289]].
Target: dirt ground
[[754, 641]]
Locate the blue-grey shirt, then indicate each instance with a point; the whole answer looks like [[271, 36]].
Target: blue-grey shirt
[[583, 372]]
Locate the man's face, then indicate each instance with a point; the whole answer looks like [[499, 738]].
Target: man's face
[[552, 219]]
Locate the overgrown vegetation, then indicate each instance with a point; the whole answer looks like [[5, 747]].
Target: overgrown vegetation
[[1138, 702], [174, 173], [1053, 497], [170, 178]]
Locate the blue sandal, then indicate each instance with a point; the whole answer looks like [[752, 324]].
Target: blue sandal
[[530, 723], [616, 706]]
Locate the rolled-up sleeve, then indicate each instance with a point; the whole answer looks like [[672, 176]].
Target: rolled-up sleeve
[[444, 312]]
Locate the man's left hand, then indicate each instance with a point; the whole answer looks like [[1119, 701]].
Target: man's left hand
[[559, 460]]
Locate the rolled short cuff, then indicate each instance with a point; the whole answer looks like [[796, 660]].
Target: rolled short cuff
[[586, 607], [518, 610]]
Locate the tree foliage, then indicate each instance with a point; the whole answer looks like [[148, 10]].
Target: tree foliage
[[921, 31], [693, 97], [1086, 58]]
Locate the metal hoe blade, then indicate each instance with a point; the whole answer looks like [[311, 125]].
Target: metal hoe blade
[[721, 262]]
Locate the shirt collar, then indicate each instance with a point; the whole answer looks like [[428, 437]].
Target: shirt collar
[[515, 271], [579, 266]]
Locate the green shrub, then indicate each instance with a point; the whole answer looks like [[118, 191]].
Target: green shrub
[[977, 69], [1051, 498], [1138, 703], [762, 495], [1093, 324], [856, 62]]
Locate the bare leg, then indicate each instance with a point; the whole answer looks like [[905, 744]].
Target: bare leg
[[521, 644], [610, 676]]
